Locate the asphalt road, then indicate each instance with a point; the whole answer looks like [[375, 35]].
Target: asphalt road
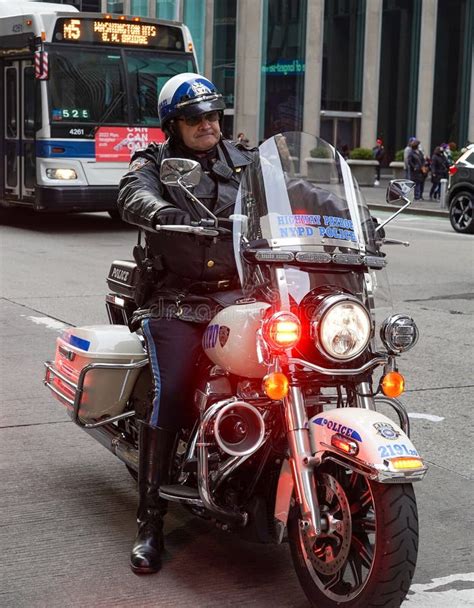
[[67, 505]]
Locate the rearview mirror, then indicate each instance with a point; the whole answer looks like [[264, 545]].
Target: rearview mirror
[[180, 171], [185, 174], [400, 191]]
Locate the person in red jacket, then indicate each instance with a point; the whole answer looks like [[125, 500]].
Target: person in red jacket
[[379, 152]]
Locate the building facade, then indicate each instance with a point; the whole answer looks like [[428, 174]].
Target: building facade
[[350, 71]]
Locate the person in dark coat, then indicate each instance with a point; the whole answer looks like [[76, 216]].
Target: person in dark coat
[[439, 171], [189, 272], [417, 168], [379, 153]]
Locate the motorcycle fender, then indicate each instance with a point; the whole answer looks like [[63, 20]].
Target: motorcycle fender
[[284, 493], [382, 447]]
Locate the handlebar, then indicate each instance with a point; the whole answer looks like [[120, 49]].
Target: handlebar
[[204, 227], [199, 230], [395, 242]]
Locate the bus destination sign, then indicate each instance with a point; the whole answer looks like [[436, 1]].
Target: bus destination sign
[[125, 33], [115, 32]]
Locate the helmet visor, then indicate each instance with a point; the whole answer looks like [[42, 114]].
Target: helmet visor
[[198, 108]]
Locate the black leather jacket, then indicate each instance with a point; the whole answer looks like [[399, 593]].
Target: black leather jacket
[[192, 265]]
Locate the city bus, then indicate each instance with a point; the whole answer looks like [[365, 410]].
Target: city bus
[[79, 94]]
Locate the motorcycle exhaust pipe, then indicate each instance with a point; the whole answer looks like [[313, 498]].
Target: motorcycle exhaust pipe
[[239, 429], [113, 440]]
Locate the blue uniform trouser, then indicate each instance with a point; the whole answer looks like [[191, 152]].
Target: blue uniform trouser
[[173, 350]]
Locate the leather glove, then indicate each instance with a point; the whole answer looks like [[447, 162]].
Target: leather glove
[[173, 216]]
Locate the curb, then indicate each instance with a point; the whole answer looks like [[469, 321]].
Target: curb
[[412, 210]]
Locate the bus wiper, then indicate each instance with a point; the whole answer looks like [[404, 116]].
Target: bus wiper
[[106, 114]]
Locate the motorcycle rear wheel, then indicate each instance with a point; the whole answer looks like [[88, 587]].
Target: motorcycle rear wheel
[[367, 555]]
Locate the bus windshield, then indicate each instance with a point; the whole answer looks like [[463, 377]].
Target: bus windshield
[[83, 85]]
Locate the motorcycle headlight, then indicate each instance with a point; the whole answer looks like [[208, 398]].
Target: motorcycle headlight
[[341, 327], [399, 333]]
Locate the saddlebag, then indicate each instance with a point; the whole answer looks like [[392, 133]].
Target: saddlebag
[[123, 278], [95, 369]]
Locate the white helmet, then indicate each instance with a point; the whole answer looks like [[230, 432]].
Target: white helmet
[[187, 95]]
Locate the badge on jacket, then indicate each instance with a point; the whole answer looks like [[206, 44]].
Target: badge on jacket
[[138, 163]]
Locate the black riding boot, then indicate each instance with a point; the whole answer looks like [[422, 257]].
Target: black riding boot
[[156, 447]]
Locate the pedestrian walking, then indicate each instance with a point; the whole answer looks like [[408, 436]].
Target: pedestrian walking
[[379, 152], [242, 139], [417, 169], [439, 171], [448, 155], [406, 153]]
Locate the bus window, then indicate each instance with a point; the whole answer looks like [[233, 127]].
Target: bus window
[[84, 85], [29, 130], [11, 130], [12, 102], [147, 72], [29, 96]]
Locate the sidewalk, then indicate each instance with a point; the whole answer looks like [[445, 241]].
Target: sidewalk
[[375, 197]]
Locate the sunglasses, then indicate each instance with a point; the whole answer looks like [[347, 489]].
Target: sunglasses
[[193, 121]]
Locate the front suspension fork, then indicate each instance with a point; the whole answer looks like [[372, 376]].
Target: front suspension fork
[[301, 460]]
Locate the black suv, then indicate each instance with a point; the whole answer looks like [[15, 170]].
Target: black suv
[[460, 193]]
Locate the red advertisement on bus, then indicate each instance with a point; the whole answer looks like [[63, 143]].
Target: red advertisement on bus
[[117, 144]]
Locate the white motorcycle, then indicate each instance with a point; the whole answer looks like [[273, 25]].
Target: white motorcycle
[[287, 441]]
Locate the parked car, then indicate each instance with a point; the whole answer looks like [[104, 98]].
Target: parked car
[[460, 193]]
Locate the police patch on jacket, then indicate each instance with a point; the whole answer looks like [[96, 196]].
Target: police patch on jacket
[[138, 163]]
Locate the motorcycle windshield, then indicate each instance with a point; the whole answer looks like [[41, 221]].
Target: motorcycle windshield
[[300, 213]]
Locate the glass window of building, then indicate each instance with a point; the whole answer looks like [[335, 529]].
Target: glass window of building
[[453, 69], [139, 7], [399, 60], [194, 16], [343, 55], [342, 72], [167, 9], [115, 6], [223, 60], [90, 6], [283, 66]]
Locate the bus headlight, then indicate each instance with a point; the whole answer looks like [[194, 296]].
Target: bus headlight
[[341, 327], [399, 333], [61, 174]]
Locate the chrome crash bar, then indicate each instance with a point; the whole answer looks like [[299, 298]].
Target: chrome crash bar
[[79, 389], [379, 360]]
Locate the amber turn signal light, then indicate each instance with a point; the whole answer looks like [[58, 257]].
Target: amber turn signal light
[[403, 462], [393, 384], [275, 386]]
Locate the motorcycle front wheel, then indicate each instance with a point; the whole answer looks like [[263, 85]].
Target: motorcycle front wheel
[[366, 554]]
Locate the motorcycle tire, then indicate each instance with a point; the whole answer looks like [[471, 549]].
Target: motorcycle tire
[[367, 555]]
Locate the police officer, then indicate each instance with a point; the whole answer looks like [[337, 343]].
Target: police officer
[[190, 272]]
